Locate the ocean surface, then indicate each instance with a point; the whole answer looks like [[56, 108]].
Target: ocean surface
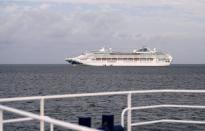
[[35, 80]]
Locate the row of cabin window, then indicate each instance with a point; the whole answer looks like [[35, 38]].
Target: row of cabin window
[[164, 59], [130, 59]]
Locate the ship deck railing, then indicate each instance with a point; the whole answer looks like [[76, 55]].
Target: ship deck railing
[[28, 116]]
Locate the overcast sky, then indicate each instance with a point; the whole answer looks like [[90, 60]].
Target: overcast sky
[[46, 31]]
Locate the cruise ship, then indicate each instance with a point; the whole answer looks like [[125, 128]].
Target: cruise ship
[[107, 57]]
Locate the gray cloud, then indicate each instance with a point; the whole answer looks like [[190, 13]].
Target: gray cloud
[[47, 33]]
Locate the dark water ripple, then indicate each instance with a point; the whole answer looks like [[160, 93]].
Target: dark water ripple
[[31, 80]]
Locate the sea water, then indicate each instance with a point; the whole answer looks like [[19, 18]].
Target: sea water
[[35, 80]]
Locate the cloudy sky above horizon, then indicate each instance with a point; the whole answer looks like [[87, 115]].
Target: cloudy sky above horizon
[[46, 31]]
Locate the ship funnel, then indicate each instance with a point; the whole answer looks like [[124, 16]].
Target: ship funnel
[[102, 49]]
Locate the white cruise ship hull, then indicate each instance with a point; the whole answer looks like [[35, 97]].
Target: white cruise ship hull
[[116, 63]]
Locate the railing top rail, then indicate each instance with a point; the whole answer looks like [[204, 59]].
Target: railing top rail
[[46, 119], [99, 94]]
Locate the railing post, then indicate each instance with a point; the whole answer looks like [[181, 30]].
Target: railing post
[[51, 127], [129, 113], [1, 120], [42, 104]]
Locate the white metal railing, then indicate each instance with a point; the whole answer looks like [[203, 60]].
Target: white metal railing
[[32, 116], [163, 120], [128, 109]]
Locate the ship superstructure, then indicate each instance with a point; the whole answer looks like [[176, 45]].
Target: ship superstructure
[[107, 57]]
